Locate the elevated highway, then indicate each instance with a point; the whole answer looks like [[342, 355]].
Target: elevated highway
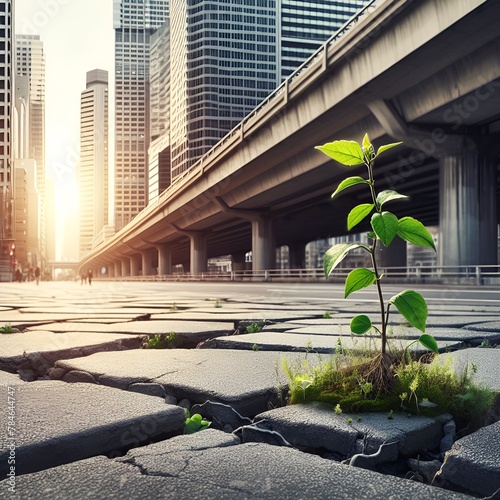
[[426, 72]]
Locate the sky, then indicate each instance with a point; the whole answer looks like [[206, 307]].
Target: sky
[[78, 37]]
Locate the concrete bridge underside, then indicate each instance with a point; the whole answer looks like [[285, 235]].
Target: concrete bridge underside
[[423, 72]]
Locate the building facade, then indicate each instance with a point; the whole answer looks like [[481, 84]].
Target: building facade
[[304, 26], [226, 57], [134, 23], [30, 64], [159, 174], [7, 40], [93, 169], [229, 66]]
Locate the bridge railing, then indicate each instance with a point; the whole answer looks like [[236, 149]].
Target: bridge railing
[[464, 275]]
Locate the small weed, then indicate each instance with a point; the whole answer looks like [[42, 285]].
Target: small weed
[[173, 307], [162, 341], [6, 329], [327, 315], [349, 421], [217, 303], [337, 409], [390, 414], [255, 347], [359, 419], [485, 344], [253, 328], [195, 423]]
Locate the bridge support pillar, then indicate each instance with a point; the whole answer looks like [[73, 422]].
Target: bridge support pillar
[[110, 270], [198, 253], [117, 268], [238, 261], [147, 262], [394, 255], [297, 255], [263, 251], [125, 266], [164, 259], [467, 207], [135, 265]]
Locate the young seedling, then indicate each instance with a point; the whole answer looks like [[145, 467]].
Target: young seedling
[[385, 227]]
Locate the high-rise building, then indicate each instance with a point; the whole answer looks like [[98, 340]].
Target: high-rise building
[[30, 63], [159, 174], [93, 170], [304, 26], [134, 23], [223, 63], [227, 56], [7, 244]]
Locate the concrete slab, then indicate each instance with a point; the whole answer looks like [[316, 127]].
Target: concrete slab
[[253, 314], [202, 472], [188, 333], [35, 352], [8, 379], [486, 326], [57, 423], [405, 436], [473, 462], [290, 341], [246, 380], [486, 361]]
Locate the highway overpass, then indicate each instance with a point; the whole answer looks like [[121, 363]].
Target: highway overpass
[[426, 72]]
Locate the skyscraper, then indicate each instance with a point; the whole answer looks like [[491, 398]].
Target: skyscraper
[[134, 22], [30, 63], [304, 26], [93, 171], [223, 63], [6, 112], [228, 55], [159, 174]]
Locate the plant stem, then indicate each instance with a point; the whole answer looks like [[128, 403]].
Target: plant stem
[[374, 261], [380, 296]]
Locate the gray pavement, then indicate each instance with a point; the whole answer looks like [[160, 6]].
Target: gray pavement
[[102, 412]]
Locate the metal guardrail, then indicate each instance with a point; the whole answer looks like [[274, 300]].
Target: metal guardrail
[[464, 275]]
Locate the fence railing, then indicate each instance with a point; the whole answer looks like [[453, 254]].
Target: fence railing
[[465, 275]]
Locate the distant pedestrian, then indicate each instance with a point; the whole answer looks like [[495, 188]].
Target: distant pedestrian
[[83, 278], [89, 276], [37, 275]]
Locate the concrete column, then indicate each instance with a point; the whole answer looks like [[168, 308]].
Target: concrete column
[[125, 266], [263, 251], [147, 262], [394, 255], [297, 255], [238, 261], [198, 253], [467, 207], [164, 259], [110, 270], [117, 268], [135, 265]]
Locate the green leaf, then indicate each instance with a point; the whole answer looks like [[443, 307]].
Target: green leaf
[[368, 149], [366, 142], [385, 226], [350, 181], [358, 213], [389, 195], [381, 149], [333, 256], [358, 279], [412, 306], [429, 342], [345, 152], [371, 235], [414, 231], [360, 324]]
